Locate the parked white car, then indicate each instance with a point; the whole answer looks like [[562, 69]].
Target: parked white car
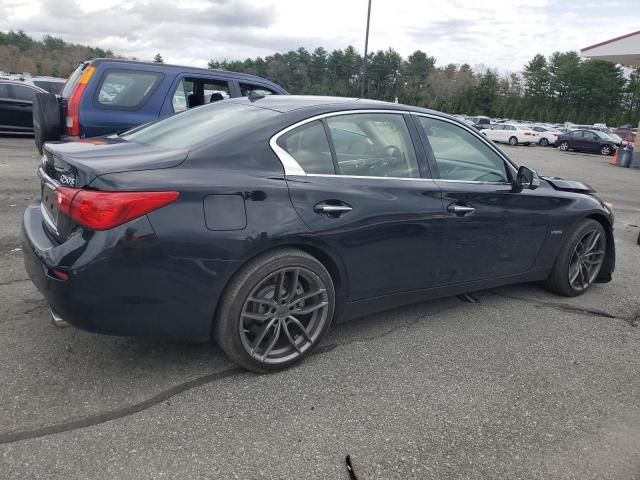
[[512, 133], [546, 135]]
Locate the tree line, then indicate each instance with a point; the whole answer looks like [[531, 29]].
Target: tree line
[[51, 56], [561, 87]]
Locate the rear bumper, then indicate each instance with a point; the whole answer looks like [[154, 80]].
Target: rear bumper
[[120, 281]]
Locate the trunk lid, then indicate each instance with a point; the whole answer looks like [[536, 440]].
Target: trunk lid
[[77, 164]]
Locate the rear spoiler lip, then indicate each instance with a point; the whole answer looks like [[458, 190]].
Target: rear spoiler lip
[[569, 185]]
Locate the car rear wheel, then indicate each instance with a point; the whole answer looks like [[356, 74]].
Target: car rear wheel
[[275, 311], [544, 142], [580, 260], [46, 119], [513, 141], [605, 150], [564, 146]]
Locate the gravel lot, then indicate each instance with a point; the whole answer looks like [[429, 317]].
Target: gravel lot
[[524, 384]]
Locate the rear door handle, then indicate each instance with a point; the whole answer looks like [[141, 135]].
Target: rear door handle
[[460, 210], [330, 210]]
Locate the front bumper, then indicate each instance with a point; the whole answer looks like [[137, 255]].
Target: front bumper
[[121, 282]]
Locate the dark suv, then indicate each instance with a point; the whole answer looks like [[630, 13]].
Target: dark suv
[[16, 100], [105, 96]]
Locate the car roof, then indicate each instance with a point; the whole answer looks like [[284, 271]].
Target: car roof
[[182, 68], [289, 103], [22, 83]]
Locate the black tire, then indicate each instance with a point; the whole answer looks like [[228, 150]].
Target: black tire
[[564, 146], [544, 142], [47, 124], [230, 330], [606, 150], [559, 278], [513, 141]]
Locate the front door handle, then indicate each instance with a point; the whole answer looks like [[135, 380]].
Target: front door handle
[[460, 210], [330, 210]]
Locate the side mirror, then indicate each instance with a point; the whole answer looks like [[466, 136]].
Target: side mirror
[[525, 178]]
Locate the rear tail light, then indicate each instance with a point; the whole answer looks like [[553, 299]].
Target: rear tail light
[[527, 134], [73, 105], [104, 210]]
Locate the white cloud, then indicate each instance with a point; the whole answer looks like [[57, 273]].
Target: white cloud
[[497, 33]]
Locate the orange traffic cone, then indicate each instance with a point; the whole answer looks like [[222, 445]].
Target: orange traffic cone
[[614, 159]]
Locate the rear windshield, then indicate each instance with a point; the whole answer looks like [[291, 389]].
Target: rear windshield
[[192, 127], [72, 81]]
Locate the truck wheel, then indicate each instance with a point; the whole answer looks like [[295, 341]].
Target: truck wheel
[[47, 124]]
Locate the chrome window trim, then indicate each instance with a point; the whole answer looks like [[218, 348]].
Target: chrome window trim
[[293, 168]]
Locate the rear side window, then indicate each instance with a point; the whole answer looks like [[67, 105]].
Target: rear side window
[[4, 90], [126, 89], [193, 127], [309, 146], [246, 89], [25, 94]]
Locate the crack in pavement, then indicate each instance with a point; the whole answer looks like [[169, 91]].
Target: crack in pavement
[[103, 417], [11, 282], [594, 312]]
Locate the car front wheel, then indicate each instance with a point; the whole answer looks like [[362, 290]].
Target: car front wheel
[[605, 150], [580, 260], [275, 311]]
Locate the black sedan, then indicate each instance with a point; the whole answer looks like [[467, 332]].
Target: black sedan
[[255, 222], [587, 141], [16, 104]]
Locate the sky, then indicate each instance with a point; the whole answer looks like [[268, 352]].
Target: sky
[[501, 34]]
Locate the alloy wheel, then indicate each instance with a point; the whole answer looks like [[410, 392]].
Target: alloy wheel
[[284, 315], [605, 150], [564, 146], [513, 141], [586, 260]]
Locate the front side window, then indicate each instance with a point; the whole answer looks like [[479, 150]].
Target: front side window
[[460, 155], [373, 144], [126, 89]]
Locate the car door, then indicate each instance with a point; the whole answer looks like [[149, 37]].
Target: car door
[[20, 107], [357, 180], [5, 106], [577, 140], [490, 231], [591, 142]]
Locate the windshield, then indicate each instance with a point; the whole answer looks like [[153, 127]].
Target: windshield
[[192, 127]]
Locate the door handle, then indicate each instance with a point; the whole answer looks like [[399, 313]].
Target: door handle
[[323, 208], [460, 210]]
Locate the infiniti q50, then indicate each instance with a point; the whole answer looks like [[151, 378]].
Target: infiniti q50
[[256, 222]]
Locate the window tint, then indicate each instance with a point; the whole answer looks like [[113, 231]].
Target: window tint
[[246, 89], [308, 144], [51, 87], [126, 89], [4, 90], [20, 92], [196, 126], [373, 144], [461, 155]]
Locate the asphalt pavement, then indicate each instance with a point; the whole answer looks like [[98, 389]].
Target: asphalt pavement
[[522, 384]]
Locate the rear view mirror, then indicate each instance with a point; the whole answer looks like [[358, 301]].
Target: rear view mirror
[[526, 178]]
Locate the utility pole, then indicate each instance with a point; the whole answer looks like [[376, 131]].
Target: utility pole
[[366, 51]]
